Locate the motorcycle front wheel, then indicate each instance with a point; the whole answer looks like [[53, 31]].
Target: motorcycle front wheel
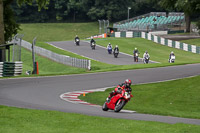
[[104, 107], [119, 105]]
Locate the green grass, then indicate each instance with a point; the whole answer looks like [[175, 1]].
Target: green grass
[[66, 31], [46, 66], [16, 120], [173, 98], [157, 52], [192, 41], [46, 32]]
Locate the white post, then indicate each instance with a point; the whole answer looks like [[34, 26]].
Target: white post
[[89, 64]]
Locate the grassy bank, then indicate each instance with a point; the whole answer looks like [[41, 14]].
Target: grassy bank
[[46, 32], [158, 52], [173, 98], [192, 41], [46, 66], [15, 120]]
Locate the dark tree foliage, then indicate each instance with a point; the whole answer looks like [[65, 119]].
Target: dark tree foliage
[[83, 10], [10, 25]]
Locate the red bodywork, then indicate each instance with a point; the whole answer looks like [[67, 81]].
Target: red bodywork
[[115, 99]]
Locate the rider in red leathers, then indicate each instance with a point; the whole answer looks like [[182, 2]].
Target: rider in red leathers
[[126, 85]]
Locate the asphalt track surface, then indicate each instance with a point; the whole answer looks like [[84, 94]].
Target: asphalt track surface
[[44, 92], [99, 54]]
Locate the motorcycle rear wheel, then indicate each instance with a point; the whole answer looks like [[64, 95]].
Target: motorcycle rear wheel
[[104, 107], [119, 106]]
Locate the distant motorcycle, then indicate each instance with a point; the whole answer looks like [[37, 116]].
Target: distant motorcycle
[[146, 60], [136, 55], [118, 101], [93, 46], [77, 42], [109, 50], [172, 60], [115, 53]]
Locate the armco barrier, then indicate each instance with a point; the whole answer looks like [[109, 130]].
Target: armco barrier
[[171, 43], [1, 69], [159, 40], [81, 63]]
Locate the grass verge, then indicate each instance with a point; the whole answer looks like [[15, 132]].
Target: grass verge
[[47, 32], [173, 98], [16, 120], [46, 66], [192, 41]]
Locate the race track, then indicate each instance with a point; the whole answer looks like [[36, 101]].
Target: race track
[[99, 54], [44, 92]]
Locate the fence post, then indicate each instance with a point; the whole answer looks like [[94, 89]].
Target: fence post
[[89, 64]]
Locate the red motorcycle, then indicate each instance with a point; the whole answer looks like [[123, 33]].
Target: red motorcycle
[[118, 101]]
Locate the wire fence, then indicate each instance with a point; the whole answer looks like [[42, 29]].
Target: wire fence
[[63, 59]]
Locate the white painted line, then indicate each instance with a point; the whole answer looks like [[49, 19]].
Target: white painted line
[[69, 96], [72, 52], [78, 101], [128, 111]]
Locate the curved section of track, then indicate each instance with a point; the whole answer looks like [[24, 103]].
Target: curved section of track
[[99, 54], [44, 92]]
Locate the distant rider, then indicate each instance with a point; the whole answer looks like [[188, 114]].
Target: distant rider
[[76, 38], [92, 41], [135, 54], [170, 56], [116, 49], [118, 90], [109, 48], [146, 57]]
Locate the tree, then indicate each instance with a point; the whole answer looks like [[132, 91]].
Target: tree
[[187, 6], [12, 27]]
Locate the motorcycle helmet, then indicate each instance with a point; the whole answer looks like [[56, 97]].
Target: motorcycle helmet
[[128, 82]]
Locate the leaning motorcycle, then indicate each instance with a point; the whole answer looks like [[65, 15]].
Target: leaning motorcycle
[[118, 101]]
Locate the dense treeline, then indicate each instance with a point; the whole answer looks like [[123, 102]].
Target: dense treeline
[[83, 10]]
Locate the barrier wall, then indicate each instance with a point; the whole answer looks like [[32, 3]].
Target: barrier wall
[[159, 40], [171, 43], [1, 69], [81, 63]]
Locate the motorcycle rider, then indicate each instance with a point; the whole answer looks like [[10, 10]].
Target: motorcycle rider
[[76, 38], [92, 41], [109, 48], [116, 49], [135, 54], [170, 56], [126, 85], [146, 57]]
